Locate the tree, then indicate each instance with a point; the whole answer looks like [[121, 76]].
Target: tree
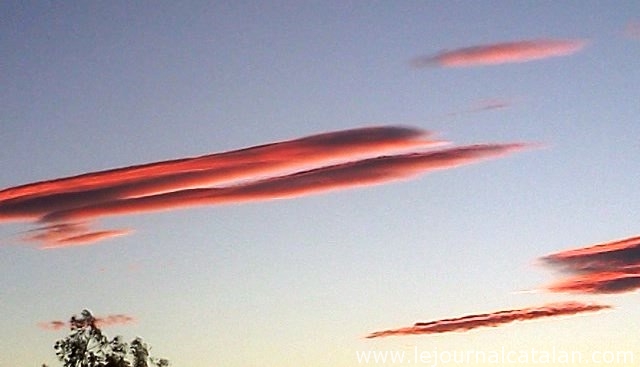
[[87, 346]]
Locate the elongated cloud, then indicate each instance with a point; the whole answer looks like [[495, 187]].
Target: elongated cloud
[[491, 104], [605, 282], [611, 267], [101, 322], [85, 238], [33, 200], [348, 175], [314, 164], [494, 319], [502, 53], [70, 234]]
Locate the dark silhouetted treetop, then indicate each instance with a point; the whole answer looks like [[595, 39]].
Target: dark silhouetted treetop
[[87, 346]]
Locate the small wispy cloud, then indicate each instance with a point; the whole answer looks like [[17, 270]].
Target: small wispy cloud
[[84, 238], [482, 106], [502, 53], [53, 325], [101, 322], [632, 30], [491, 104], [63, 208], [69, 234], [611, 267], [493, 319]]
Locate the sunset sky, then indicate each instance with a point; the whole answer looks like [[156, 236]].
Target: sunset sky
[[291, 183]]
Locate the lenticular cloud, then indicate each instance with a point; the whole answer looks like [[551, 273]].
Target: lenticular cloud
[[502, 53], [63, 209], [611, 267], [493, 319]]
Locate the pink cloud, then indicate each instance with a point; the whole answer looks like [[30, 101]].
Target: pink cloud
[[599, 282], [493, 319], [36, 199], [52, 325], [632, 30], [101, 322], [227, 166], [314, 164], [347, 175], [610, 267], [502, 53], [85, 238]]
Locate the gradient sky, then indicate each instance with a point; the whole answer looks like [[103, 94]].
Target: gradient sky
[[90, 86]]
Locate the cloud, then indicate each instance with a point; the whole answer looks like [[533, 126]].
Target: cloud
[[632, 30], [611, 267], [56, 232], [610, 282], [52, 325], [70, 234], [101, 322], [314, 164], [494, 319], [482, 106], [502, 53], [491, 104], [112, 320], [85, 238], [33, 200], [347, 175]]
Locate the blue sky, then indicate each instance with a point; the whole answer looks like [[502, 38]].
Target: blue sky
[[94, 86]]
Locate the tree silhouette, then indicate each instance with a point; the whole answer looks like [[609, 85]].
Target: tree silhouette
[[87, 346]]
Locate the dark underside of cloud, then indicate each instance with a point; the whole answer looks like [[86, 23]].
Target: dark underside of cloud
[[611, 267]]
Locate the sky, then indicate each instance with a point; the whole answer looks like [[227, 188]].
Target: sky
[[294, 183]]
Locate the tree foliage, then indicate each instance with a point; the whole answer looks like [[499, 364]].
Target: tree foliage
[[87, 346]]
